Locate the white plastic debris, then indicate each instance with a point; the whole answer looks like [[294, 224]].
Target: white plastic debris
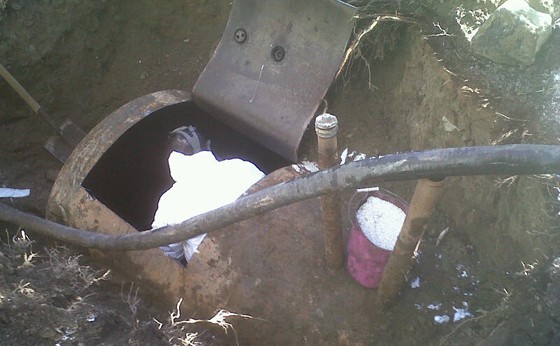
[[441, 319], [435, 306], [558, 195], [359, 157], [305, 167], [355, 156], [415, 283], [13, 193], [380, 221], [91, 317], [556, 263], [461, 313], [202, 184], [344, 156], [368, 189], [310, 166], [462, 271], [297, 168]]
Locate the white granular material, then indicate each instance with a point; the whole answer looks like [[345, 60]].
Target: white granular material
[[381, 222]]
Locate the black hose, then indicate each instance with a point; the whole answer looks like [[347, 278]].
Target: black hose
[[516, 159]]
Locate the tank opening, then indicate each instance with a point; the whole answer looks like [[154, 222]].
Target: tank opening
[[133, 174]]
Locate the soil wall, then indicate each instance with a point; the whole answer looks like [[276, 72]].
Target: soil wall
[[419, 104]]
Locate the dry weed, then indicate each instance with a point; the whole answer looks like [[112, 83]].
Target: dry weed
[[499, 314], [132, 299], [218, 319], [176, 329], [65, 265], [17, 251]]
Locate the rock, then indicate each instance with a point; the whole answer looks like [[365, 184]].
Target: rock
[[551, 7], [513, 34]]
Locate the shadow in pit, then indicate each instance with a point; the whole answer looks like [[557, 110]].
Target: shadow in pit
[[133, 174]]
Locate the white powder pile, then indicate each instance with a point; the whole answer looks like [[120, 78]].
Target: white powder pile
[[381, 222]]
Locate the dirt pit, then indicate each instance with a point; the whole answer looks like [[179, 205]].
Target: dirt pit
[[493, 274]]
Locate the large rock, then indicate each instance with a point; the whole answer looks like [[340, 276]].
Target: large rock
[[551, 7], [513, 34]]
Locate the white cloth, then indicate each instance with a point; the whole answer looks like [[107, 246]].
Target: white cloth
[[201, 184]]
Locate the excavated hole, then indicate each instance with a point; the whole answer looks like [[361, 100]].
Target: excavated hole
[[415, 104]]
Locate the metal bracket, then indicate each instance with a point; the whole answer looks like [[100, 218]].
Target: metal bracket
[[273, 66]]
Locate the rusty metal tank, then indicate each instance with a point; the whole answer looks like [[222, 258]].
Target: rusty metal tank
[[111, 183], [264, 83]]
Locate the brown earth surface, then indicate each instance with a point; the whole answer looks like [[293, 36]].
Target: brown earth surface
[[423, 89]]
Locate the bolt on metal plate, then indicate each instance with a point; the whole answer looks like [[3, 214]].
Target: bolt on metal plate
[[240, 35], [278, 53], [244, 85]]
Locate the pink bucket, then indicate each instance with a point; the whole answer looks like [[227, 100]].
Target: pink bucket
[[366, 261]]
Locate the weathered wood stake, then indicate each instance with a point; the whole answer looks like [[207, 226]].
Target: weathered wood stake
[[426, 195]]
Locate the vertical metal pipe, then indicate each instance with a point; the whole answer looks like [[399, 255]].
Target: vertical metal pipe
[[426, 195], [326, 128]]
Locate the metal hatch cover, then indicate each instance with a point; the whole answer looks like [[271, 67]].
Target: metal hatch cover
[[273, 66]]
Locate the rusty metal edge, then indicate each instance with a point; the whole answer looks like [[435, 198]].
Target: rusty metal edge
[[69, 203], [88, 152]]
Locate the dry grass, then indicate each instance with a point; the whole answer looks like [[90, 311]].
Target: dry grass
[[17, 251], [494, 317], [177, 329], [59, 273], [132, 299], [66, 266]]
